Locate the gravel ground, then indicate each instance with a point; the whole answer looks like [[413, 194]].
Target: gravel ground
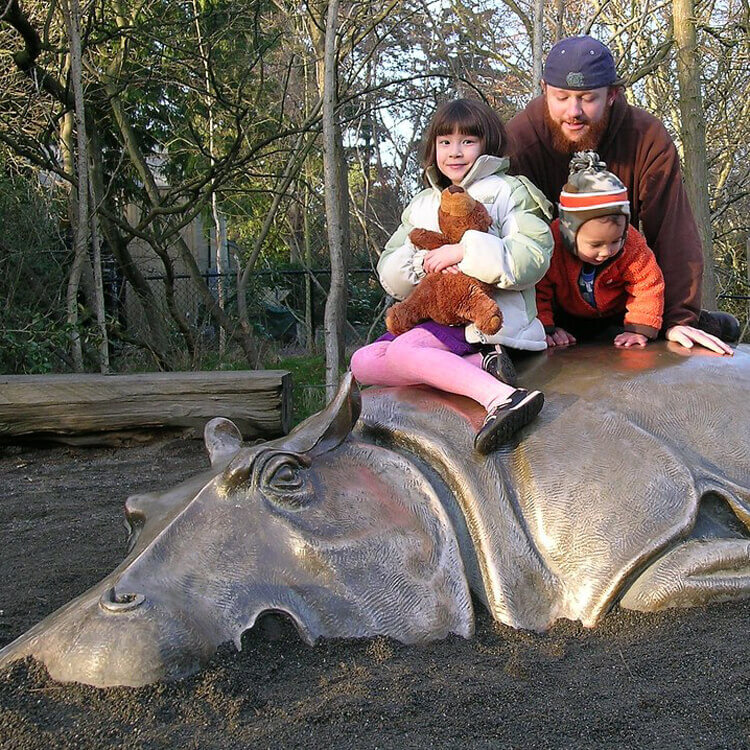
[[674, 679]]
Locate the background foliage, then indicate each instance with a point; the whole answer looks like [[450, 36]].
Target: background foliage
[[218, 102]]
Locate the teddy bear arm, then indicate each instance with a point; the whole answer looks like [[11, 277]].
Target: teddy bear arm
[[455, 299], [427, 239], [483, 220], [418, 306], [478, 306]]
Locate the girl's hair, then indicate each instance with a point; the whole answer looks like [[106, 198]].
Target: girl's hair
[[467, 116]]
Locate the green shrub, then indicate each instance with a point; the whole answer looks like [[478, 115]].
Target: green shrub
[[33, 259]]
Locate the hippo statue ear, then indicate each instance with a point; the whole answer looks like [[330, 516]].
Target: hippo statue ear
[[222, 439], [328, 428]]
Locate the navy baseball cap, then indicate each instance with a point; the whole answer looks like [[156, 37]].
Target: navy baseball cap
[[580, 63]]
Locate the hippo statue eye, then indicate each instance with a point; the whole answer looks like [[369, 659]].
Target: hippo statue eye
[[284, 478]]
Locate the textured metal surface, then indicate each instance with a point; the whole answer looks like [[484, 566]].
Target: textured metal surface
[[631, 449], [633, 483]]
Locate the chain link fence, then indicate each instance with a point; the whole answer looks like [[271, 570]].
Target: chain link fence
[[288, 305], [284, 305]]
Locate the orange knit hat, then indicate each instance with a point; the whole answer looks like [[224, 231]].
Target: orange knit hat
[[591, 191]]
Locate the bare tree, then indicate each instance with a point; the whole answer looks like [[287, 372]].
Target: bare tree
[[337, 206], [72, 13], [693, 132], [536, 46], [219, 230]]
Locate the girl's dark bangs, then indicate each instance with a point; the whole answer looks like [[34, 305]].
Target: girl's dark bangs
[[458, 118]]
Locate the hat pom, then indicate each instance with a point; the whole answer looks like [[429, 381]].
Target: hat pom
[[586, 161]]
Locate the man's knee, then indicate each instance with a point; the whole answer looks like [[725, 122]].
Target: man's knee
[[721, 324]]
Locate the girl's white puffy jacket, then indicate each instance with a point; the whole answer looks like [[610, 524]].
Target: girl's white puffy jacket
[[513, 255]]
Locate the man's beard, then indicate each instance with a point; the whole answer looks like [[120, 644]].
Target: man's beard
[[588, 142]]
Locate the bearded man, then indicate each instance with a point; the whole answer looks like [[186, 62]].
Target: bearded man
[[583, 107]]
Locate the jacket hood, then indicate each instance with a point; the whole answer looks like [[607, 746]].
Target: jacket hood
[[484, 166], [535, 112]]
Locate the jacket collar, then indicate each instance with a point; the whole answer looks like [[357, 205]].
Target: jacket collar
[[535, 112], [484, 166]]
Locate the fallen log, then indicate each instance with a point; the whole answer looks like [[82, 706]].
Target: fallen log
[[79, 406]]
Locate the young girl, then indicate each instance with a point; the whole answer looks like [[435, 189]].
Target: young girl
[[464, 146]]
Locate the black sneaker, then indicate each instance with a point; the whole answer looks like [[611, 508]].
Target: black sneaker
[[497, 363], [504, 420]]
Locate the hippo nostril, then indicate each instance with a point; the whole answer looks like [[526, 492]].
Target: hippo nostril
[[112, 601]]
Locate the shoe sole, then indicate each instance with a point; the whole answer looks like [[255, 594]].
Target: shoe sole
[[515, 419]]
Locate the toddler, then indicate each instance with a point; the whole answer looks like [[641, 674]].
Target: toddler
[[603, 276]]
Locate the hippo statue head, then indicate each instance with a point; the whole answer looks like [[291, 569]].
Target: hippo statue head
[[632, 487], [345, 538]]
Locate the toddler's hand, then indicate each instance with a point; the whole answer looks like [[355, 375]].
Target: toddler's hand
[[560, 337], [630, 339], [451, 269], [442, 257]]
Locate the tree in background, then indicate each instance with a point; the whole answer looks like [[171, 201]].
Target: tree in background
[[33, 266], [214, 109]]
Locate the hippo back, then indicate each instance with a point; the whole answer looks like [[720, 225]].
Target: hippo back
[[630, 450]]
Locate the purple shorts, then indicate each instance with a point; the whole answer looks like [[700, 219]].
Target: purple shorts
[[451, 336]]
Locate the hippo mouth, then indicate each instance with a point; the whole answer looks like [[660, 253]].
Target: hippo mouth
[[302, 630], [119, 602], [273, 623]]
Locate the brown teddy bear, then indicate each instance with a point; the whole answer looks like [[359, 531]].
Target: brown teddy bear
[[447, 298]]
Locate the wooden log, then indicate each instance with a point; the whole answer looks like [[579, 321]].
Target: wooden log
[[257, 401]]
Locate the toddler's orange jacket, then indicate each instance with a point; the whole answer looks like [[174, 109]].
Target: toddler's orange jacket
[[631, 283]]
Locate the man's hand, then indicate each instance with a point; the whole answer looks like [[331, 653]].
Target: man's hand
[[687, 336], [630, 339], [560, 337], [442, 257]]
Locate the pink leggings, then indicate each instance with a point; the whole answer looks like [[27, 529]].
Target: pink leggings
[[419, 358]]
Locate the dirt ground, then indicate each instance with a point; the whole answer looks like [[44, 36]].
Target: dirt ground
[[675, 679]]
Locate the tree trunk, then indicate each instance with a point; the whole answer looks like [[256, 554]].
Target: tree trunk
[[560, 20], [220, 244], [96, 260], [693, 133], [536, 47], [337, 208], [72, 13], [220, 227], [309, 290]]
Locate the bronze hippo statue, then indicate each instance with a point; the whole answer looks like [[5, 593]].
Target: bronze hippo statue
[[633, 486]]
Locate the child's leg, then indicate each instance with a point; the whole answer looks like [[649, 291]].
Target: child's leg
[[417, 357], [370, 367], [474, 359]]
